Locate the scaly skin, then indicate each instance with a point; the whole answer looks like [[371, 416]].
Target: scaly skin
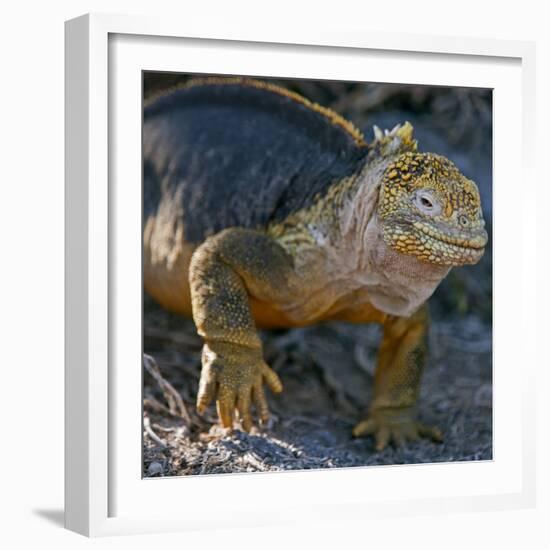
[[401, 360], [444, 225], [224, 272], [371, 248]]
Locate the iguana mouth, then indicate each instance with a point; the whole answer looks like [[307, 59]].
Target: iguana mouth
[[435, 245], [461, 241]]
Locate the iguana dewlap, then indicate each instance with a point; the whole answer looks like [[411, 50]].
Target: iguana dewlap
[[263, 209]]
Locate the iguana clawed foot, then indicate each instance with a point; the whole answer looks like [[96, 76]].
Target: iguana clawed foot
[[234, 376], [396, 426]]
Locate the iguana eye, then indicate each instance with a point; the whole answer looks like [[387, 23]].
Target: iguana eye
[[426, 203]]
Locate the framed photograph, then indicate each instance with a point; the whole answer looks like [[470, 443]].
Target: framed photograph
[[288, 275]]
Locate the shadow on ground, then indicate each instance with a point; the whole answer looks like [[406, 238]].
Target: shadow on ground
[[56, 517]]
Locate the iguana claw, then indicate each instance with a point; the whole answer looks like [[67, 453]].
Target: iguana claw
[[234, 377], [395, 426]]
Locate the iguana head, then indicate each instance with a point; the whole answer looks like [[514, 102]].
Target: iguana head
[[428, 209]]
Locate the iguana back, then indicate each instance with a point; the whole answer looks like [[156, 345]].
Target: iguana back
[[241, 153]]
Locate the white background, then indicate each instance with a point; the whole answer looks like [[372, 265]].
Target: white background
[[31, 218]]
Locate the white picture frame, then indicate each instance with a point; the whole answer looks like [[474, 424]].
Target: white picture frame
[[104, 493]]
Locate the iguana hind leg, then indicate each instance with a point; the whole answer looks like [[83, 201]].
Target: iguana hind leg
[[392, 414], [226, 271]]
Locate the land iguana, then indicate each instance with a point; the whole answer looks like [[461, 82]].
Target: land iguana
[[263, 209]]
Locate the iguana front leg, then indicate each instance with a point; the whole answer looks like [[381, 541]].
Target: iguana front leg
[[225, 272], [392, 415]]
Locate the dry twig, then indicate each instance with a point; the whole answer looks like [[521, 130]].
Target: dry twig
[[151, 433], [176, 405]]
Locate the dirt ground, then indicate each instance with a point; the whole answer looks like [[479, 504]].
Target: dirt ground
[[327, 370]]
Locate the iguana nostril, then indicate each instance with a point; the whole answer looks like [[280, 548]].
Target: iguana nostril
[[463, 220]]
